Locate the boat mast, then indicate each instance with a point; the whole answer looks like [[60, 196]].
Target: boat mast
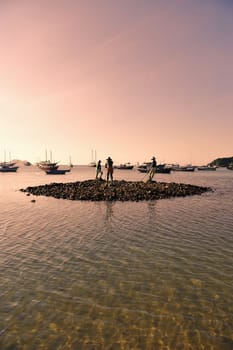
[[71, 162]]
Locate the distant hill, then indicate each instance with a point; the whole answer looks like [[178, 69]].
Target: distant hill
[[21, 162], [222, 162]]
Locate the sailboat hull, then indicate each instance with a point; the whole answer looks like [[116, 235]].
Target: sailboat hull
[[12, 169], [57, 171]]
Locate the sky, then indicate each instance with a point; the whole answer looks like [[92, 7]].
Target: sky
[[130, 79]]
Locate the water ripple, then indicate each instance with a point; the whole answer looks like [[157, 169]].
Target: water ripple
[[150, 275]]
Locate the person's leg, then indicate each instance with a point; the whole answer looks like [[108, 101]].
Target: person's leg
[[152, 173]]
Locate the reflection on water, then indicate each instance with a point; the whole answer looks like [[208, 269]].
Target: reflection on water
[[109, 210], [150, 275]]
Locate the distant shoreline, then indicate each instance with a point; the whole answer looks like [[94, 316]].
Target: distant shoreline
[[100, 190]]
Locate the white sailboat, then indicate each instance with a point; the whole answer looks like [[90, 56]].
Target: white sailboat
[[48, 164], [93, 159], [71, 164]]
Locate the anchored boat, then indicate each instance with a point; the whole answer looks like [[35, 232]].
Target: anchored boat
[[8, 167], [125, 166], [160, 169], [207, 168], [52, 168], [184, 168], [57, 171]]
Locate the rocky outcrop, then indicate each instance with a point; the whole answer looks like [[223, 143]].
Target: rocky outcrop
[[97, 190], [222, 162]]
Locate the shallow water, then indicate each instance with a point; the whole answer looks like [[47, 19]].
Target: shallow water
[[97, 275]]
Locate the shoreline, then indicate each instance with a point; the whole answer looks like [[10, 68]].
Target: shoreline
[[101, 190]]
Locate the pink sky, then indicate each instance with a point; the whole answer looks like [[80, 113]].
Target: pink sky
[[129, 78]]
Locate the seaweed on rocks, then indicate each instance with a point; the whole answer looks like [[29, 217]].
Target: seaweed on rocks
[[100, 190]]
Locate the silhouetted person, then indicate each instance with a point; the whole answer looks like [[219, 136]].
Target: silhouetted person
[[99, 172], [152, 168], [109, 166]]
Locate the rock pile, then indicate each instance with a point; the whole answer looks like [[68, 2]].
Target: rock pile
[[97, 190]]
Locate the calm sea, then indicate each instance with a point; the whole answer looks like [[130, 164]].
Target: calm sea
[[96, 275]]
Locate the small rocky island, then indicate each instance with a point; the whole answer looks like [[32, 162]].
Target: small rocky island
[[100, 190]]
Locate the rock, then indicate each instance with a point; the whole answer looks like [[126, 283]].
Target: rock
[[115, 191]]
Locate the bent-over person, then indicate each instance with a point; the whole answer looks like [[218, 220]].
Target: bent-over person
[[152, 168]]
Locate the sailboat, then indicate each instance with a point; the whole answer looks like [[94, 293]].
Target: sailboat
[[93, 160], [8, 167], [47, 164], [71, 164], [50, 167]]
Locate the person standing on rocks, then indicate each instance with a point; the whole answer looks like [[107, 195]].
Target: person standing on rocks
[[109, 166], [99, 172], [152, 168]]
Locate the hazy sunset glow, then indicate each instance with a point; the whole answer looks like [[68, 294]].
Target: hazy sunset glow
[[129, 78]]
